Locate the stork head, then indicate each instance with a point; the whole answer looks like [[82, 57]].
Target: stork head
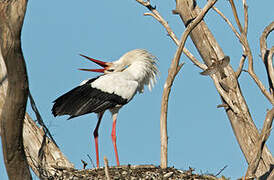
[[138, 63], [137, 55]]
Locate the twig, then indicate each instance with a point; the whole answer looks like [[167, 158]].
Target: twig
[[106, 168], [221, 170], [243, 58], [91, 161], [247, 52], [252, 73], [155, 14], [241, 65], [253, 165], [171, 76], [39, 119], [236, 15], [245, 17], [179, 67], [84, 164], [227, 21]]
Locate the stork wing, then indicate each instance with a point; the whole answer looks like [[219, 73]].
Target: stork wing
[[96, 95]]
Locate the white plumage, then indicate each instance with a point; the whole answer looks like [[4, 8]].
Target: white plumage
[[110, 91], [131, 72], [118, 84]]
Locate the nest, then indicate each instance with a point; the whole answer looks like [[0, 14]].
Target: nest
[[132, 172]]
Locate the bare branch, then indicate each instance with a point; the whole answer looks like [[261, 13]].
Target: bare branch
[[154, 13], [171, 76], [156, 17], [267, 55], [263, 38], [270, 69], [253, 165], [252, 73], [227, 21], [247, 52], [221, 170], [237, 110], [241, 65], [179, 67], [243, 58], [245, 17], [39, 119], [234, 10]]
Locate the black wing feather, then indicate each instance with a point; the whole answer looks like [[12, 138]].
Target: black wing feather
[[85, 99]]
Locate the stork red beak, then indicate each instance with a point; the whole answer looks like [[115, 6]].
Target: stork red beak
[[100, 63]]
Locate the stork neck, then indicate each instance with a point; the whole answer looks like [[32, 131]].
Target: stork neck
[[136, 71]]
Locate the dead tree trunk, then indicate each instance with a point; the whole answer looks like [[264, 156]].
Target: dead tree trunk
[[43, 156], [11, 19], [236, 108]]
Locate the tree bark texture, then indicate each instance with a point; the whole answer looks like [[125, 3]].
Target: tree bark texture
[[237, 110], [43, 156], [11, 20]]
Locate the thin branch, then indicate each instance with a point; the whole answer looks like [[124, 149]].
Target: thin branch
[[265, 33], [171, 76], [245, 17], [84, 164], [39, 119], [179, 67], [270, 69], [234, 10], [243, 58], [227, 21], [267, 55], [241, 65], [221, 170], [247, 52], [252, 73], [253, 165], [155, 14], [91, 160]]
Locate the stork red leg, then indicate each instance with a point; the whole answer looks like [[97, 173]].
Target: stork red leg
[[95, 134], [113, 136]]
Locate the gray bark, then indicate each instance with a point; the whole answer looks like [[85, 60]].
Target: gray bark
[[13, 112]]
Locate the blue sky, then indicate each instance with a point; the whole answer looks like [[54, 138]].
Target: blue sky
[[200, 135]]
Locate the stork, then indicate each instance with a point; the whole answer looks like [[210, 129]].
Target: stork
[[121, 80]]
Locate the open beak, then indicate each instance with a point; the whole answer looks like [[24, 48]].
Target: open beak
[[100, 63]]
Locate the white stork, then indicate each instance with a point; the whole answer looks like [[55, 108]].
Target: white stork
[[121, 80]]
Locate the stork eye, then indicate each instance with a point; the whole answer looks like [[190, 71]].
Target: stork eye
[[110, 70]]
